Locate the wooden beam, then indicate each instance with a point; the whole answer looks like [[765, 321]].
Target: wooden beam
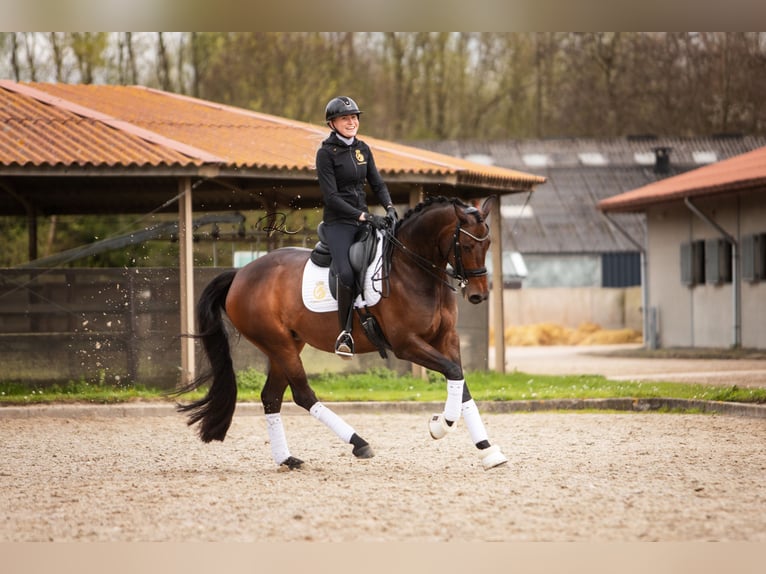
[[416, 196], [186, 273], [498, 313]]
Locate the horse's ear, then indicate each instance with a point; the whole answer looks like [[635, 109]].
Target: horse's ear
[[488, 206]]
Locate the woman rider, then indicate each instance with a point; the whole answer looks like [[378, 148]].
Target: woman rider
[[343, 165]]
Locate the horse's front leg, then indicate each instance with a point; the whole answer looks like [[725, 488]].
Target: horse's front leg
[[459, 401]]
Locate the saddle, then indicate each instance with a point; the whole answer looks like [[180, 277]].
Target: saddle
[[361, 255]]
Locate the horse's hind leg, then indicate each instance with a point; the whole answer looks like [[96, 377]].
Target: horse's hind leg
[[290, 370], [271, 397]]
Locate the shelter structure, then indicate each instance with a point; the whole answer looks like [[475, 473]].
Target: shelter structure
[[706, 252], [96, 149]]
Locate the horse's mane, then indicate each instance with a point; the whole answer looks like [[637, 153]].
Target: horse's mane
[[430, 201]]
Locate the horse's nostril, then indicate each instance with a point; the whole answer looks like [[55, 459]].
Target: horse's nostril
[[476, 299]]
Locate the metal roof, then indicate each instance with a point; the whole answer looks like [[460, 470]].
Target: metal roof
[[745, 172], [562, 215], [83, 131]]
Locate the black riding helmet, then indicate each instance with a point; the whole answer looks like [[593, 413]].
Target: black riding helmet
[[340, 106]]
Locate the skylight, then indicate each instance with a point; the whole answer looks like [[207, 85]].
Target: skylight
[[516, 211], [644, 158], [481, 158], [704, 156], [592, 158], [536, 159]]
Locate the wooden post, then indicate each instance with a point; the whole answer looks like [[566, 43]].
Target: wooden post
[[186, 274], [498, 314], [416, 196]]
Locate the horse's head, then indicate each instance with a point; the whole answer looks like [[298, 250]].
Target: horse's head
[[470, 245], [441, 231]]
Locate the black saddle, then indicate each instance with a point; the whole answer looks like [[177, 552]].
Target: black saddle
[[361, 253]]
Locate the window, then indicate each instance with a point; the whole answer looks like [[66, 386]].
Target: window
[[692, 263], [717, 261], [754, 257]]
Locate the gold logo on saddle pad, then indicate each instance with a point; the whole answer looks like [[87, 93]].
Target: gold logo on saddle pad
[[320, 291]]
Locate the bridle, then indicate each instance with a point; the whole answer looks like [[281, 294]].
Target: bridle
[[459, 272]]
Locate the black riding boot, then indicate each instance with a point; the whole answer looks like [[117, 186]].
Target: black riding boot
[[344, 344]]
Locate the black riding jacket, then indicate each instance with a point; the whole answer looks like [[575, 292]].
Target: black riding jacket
[[342, 171]]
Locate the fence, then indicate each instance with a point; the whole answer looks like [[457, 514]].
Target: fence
[[123, 325]]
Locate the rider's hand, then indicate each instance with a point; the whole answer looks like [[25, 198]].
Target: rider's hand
[[391, 214], [376, 221]]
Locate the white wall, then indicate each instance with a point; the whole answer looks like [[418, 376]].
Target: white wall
[[703, 315]]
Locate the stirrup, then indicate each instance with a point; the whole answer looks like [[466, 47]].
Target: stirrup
[[344, 345]]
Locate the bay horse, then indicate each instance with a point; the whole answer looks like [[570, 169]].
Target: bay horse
[[417, 315]]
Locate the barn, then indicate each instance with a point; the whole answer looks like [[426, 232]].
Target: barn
[[565, 260], [706, 253]]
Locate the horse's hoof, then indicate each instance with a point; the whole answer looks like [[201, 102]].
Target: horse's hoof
[[492, 457], [364, 451], [290, 463], [438, 426]]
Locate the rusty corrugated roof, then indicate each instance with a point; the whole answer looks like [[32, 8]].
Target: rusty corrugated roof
[[81, 125], [743, 172]]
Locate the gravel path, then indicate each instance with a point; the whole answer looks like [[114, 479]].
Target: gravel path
[[595, 360], [571, 477]]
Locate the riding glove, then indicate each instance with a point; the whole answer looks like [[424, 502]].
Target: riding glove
[[391, 214], [376, 221]]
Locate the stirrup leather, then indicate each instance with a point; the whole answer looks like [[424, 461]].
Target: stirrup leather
[[344, 345]]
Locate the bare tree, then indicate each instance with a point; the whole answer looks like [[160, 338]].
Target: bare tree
[[57, 47], [29, 49], [163, 63], [15, 56]]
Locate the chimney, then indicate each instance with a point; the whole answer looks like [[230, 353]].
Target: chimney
[[661, 160]]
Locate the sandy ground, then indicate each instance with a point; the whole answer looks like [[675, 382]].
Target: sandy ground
[[571, 477], [139, 474]]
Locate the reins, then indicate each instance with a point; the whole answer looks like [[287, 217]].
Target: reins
[[459, 272], [426, 265]]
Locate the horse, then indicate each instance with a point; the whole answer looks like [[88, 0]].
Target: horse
[[438, 240]]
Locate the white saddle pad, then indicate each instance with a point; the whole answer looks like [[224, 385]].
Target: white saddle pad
[[315, 287]]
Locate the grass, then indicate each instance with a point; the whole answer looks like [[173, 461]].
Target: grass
[[383, 385]]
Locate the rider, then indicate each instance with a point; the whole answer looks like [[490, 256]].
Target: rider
[[343, 165]]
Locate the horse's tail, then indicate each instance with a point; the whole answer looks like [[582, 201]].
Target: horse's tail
[[215, 410]]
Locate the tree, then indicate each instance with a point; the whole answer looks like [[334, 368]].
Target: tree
[[88, 49]]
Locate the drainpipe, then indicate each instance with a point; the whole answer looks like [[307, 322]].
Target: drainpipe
[[644, 283], [735, 279]]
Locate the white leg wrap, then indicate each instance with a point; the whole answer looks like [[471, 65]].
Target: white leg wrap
[[333, 421], [473, 422], [454, 399], [277, 438]]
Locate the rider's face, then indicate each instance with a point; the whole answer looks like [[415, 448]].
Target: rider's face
[[347, 126]]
